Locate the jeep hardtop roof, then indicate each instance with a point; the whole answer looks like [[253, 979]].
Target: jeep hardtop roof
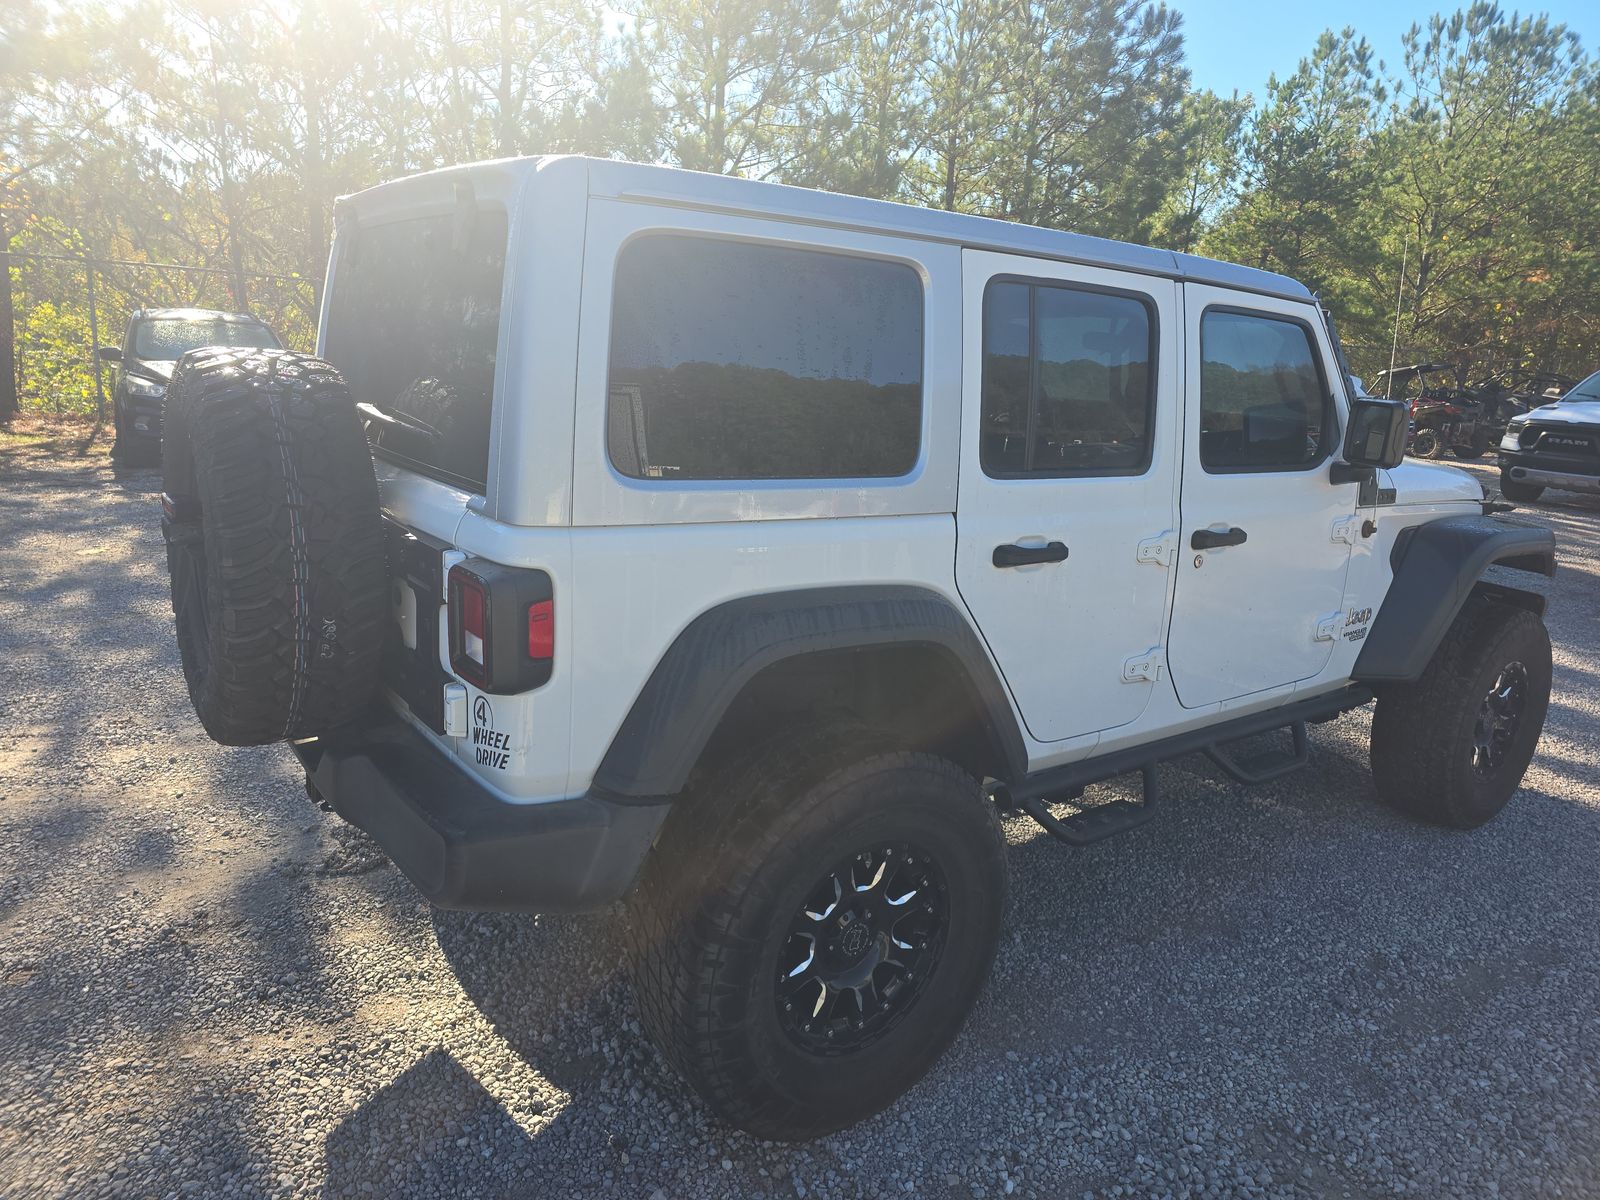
[[698, 190]]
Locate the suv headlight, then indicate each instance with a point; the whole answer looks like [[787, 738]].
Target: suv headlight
[[147, 388]]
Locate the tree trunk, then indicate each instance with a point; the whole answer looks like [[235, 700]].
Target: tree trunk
[[949, 204], [506, 120], [314, 172], [9, 405]]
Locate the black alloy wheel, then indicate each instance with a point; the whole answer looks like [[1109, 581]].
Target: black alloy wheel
[[861, 949], [1499, 717]]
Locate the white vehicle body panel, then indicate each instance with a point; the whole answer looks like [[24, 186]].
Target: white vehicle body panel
[[1246, 617], [1046, 623], [634, 561]]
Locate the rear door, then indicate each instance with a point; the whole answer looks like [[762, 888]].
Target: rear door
[[1266, 536], [1069, 463]]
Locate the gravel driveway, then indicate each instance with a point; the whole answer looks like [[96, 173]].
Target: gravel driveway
[[208, 987]]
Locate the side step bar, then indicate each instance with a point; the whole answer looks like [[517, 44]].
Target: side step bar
[[1261, 768], [1032, 795], [1098, 823]]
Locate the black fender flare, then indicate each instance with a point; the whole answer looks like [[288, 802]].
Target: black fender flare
[[1437, 566], [724, 648]]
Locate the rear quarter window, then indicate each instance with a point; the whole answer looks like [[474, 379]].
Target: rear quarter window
[[739, 360]]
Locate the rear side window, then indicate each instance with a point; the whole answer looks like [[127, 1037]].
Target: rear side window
[[1068, 385], [1263, 403], [732, 360], [413, 323]]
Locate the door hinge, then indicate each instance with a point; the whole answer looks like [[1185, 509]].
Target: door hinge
[[1158, 550], [1146, 666], [1345, 528], [1328, 627]]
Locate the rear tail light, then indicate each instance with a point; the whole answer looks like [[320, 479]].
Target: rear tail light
[[502, 626], [474, 628], [469, 627], [542, 630]]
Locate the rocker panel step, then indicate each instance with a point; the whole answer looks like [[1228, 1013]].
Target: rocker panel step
[[1098, 823], [1260, 768], [1031, 795]]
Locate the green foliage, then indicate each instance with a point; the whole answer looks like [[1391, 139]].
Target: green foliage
[[218, 134], [1471, 165], [55, 375]]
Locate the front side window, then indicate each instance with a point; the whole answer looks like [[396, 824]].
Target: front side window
[[735, 360], [1263, 404], [1068, 385]]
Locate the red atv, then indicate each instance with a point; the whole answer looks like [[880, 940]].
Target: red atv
[[1445, 416]]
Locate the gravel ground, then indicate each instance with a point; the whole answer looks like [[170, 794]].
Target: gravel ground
[[208, 987]]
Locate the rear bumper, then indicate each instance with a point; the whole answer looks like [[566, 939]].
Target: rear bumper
[[463, 846], [1573, 475]]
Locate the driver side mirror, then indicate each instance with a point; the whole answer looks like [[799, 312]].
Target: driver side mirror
[[110, 354], [1377, 433]]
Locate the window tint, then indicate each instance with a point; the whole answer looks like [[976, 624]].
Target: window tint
[[731, 360], [1067, 384], [1262, 401], [414, 324]]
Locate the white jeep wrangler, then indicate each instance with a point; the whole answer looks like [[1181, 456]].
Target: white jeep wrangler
[[737, 551]]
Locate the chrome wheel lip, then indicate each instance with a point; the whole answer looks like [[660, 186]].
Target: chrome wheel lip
[[862, 948], [1500, 715]]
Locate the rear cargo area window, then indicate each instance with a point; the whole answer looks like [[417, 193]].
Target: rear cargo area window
[[413, 323], [732, 360]]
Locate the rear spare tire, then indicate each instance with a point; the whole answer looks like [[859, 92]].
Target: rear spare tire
[[275, 544]]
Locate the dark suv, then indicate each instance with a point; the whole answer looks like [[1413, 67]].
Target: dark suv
[[155, 340], [1555, 446]]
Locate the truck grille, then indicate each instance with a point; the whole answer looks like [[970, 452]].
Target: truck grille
[[1559, 439]]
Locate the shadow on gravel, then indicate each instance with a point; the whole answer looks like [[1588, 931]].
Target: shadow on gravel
[[137, 481], [440, 1121], [553, 989]]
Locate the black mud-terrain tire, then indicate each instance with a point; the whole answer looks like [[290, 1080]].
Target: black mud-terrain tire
[[1424, 733], [1519, 493], [731, 871], [275, 545], [1426, 443], [1474, 447]]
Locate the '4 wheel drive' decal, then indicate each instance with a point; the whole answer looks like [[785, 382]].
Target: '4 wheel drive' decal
[[489, 747]]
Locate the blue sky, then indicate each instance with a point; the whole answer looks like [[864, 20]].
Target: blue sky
[[1236, 46]]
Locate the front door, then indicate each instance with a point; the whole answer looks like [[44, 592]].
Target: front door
[[1265, 536], [1069, 459]]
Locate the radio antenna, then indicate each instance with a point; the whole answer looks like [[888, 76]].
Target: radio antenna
[[1394, 346]]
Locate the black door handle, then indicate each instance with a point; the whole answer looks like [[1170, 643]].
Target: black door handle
[[1210, 539], [1012, 555]]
